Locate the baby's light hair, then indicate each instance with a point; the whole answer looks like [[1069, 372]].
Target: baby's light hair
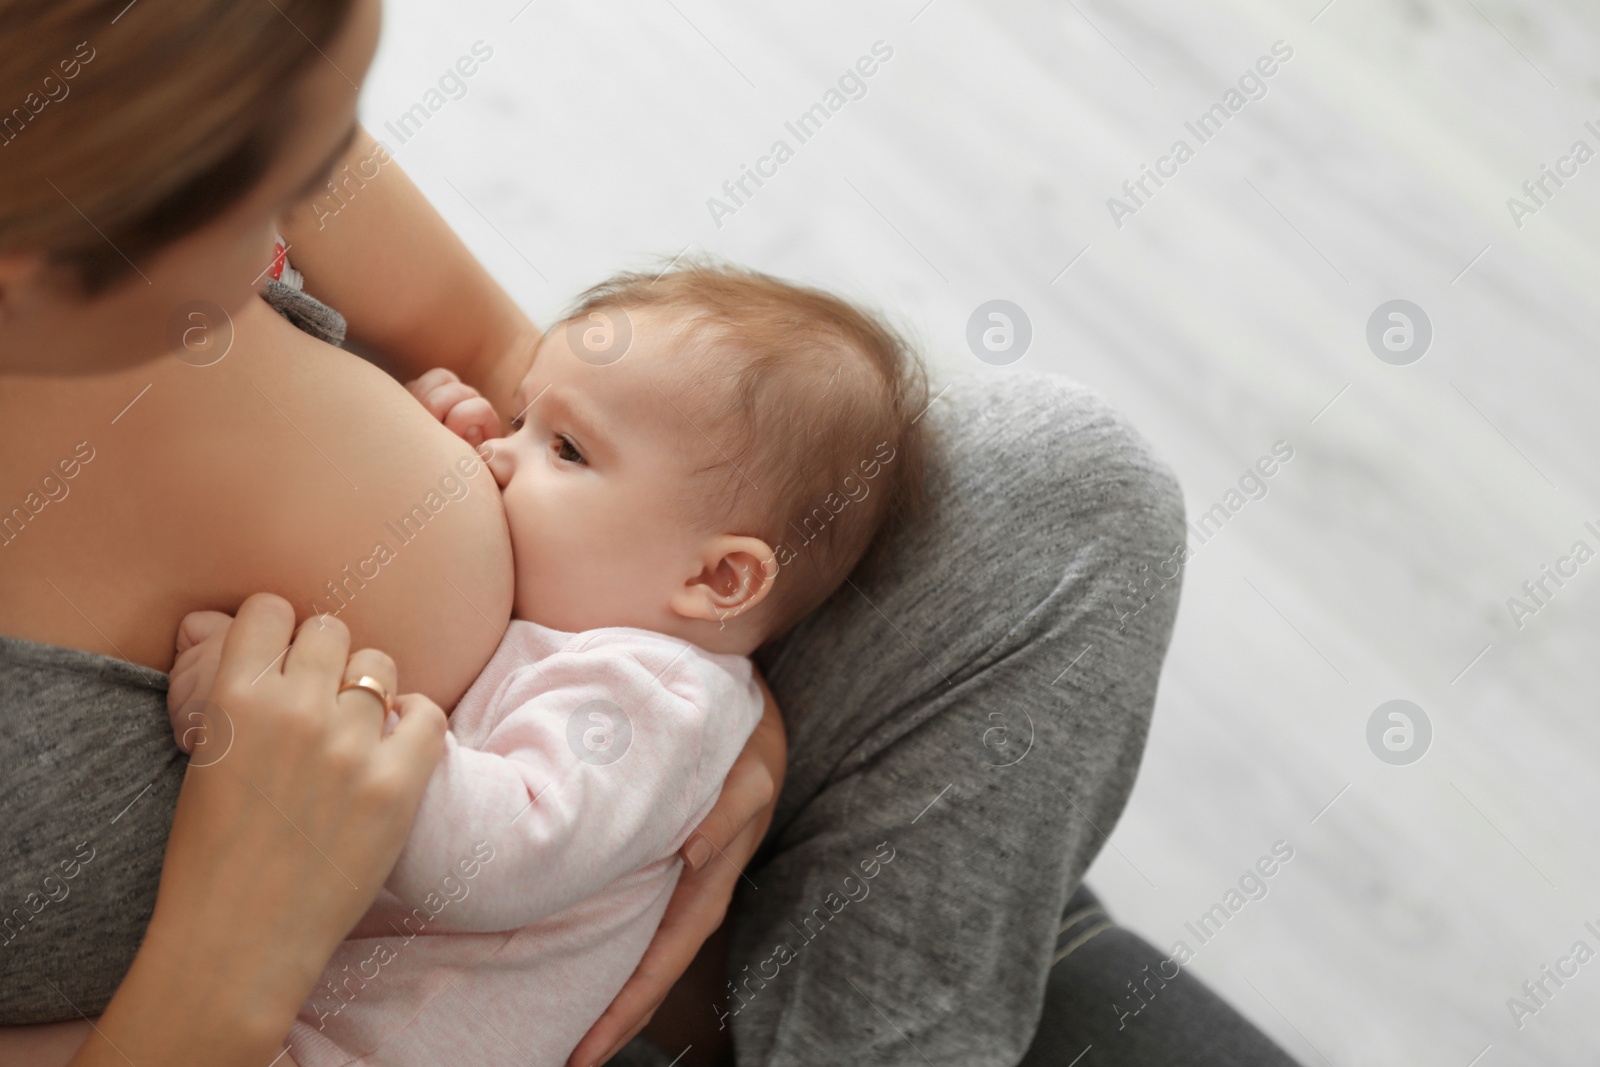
[[814, 404]]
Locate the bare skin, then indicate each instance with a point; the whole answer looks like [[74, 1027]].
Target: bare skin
[[275, 469], [298, 484]]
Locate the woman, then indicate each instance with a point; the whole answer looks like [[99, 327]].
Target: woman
[[145, 188], [165, 435]]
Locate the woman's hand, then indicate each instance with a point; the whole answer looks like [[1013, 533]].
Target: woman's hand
[[714, 860], [293, 810]]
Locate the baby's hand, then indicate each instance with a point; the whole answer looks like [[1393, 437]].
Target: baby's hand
[[458, 405], [200, 637]]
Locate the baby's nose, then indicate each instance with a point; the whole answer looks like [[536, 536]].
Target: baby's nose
[[497, 456]]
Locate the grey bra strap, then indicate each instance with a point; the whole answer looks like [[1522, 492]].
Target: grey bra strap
[[306, 312]]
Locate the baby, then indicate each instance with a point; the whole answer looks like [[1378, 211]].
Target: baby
[[698, 461]]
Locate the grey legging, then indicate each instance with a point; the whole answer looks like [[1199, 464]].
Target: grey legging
[[974, 709]]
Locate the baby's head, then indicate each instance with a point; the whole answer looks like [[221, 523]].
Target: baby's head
[[706, 453]]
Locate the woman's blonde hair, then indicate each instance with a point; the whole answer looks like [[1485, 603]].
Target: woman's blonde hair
[[124, 127]]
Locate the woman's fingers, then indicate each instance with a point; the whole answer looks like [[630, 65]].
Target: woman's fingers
[[697, 908], [745, 796], [749, 796], [628, 1014], [298, 817], [320, 650], [378, 668], [296, 804], [258, 636], [732, 831], [412, 749], [669, 955]]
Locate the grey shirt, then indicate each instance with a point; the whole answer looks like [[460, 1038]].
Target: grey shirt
[[91, 781]]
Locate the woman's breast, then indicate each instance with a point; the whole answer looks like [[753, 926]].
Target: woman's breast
[[371, 511], [288, 467]]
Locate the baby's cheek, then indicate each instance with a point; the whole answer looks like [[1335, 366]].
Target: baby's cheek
[[569, 566]]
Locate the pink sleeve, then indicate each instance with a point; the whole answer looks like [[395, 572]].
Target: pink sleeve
[[594, 769]]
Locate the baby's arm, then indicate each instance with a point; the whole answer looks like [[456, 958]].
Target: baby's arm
[[596, 769]]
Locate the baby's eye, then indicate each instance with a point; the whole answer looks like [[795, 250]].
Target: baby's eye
[[566, 450]]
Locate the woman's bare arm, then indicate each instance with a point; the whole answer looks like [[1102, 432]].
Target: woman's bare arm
[[48, 1045], [376, 250]]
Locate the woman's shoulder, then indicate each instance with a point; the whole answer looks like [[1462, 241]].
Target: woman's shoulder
[[286, 465]]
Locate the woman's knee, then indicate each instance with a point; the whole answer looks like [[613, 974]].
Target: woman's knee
[[1045, 451], [1055, 501]]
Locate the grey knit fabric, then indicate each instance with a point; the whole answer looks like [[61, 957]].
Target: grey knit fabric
[[305, 311], [1093, 1019], [91, 780]]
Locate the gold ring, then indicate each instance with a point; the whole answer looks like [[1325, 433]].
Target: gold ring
[[371, 685]]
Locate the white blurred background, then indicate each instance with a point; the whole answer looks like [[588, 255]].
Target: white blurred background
[[1228, 313]]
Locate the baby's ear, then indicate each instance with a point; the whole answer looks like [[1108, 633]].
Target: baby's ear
[[737, 574]]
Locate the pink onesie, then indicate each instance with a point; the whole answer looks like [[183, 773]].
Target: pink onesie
[[542, 856]]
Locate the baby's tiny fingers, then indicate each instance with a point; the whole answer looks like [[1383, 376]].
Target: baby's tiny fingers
[[442, 398], [419, 387], [474, 420], [189, 726], [412, 748], [746, 795], [198, 626]]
